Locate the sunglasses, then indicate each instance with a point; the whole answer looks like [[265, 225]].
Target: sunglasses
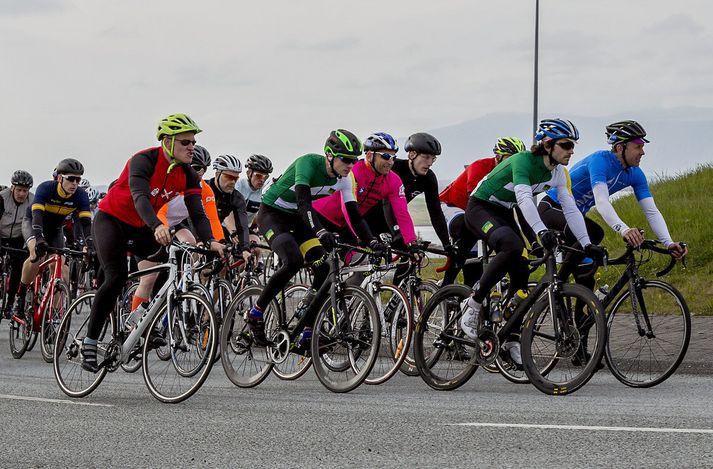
[[260, 176], [76, 179], [198, 168], [346, 160], [185, 142], [566, 145], [229, 177], [385, 156]]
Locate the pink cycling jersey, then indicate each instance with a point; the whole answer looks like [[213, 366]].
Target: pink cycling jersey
[[370, 190]]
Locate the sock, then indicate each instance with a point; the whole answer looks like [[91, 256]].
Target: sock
[[136, 301]]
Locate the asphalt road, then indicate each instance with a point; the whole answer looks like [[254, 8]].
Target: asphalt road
[[402, 423]]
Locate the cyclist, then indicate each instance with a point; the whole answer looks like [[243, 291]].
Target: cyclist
[[291, 226], [454, 200], [489, 215], [14, 202], [594, 180], [258, 171], [127, 216], [232, 210], [93, 195], [375, 183], [42, 227]]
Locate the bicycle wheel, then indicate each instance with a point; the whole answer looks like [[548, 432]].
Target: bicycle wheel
[[444, 356], [72, 379], [296, 364], [124, 308], [424, 292], [396, 331], [345, 341], [51, 317], [222, 296], [641, 357], [562, 349], [191, 339], [245, 364], [21, 333]]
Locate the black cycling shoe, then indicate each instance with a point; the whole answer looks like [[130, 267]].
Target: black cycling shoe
[[89, 358], [157, 339], [256, 325]]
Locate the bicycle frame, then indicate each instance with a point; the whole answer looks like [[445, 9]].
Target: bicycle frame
[[39, 307]]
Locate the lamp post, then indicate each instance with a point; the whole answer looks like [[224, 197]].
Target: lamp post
[[537, 40]]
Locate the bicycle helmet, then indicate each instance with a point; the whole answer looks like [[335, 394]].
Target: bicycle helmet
[[92, 194], [21, 178], [259, 163], [625, 131], [176, 124], [380, 141], [201, 157], [343, 143], [84, 183], [508, 146], [227, 163], [557, 129], [422, 142], [69, 166]]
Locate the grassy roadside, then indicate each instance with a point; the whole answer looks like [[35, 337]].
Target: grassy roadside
[[687, 205]]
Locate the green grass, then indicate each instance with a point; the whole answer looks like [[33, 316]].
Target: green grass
[[686, 203]]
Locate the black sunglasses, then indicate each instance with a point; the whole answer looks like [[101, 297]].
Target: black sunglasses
[[385, 156], [76, 179], [197, 167], [566, 145], [346, 160], [185, 142]]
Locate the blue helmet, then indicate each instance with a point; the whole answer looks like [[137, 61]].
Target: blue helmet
[[380, 141], [557, 129]]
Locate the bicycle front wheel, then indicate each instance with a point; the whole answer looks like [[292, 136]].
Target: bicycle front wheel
[[562, 347], [296, 364], [345, 341], [191, 335], [418, 301], [648, 334], [21, 334], [51, 317]]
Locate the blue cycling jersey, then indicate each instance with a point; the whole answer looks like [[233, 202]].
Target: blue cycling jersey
[[603, 166]]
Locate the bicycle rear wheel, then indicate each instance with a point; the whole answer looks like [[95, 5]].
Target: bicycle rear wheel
[[72, 379], [396, 331], [562, 349], [641, 357], [21, 333], [246, 365], [424, 293], [345, 341], [51, 318], [296, 364], [444, 357]]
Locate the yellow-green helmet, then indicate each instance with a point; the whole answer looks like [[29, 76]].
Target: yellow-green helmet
[[508, 146], [176, 124]]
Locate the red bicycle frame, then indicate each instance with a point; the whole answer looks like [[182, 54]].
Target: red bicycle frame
[[38, 307]]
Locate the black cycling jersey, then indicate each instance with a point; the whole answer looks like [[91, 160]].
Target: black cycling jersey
[[234, 203]]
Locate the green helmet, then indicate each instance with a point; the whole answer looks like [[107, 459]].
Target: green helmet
[[176, 124], [508, 146], [344, 144]]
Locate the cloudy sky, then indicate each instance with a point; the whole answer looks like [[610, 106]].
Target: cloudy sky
[[91, 78]]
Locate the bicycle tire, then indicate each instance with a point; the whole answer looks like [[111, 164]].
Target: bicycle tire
[[71, 378], [296, 365], [396, 333], [355, 342], [22, 335], [124, 310], [51, 318], [175, 380], [549, 357], [443, 364], [425, 291], [639, 364]]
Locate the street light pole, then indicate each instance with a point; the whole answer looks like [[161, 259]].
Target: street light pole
[[537, 41]]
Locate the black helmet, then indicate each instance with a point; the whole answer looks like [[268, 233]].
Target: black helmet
[[344, 144], [69, 166], [422, 142], [201, 157], [259, 163], [624, 131], [21, 178]]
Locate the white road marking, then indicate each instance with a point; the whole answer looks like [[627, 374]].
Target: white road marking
[[585, 427], [54, 401]]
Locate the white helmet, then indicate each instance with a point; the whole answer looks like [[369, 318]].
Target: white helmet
[[227, 163]]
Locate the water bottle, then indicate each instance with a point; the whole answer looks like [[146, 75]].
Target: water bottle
[[496, 312], [602, 292], [302, 306], [515, 302], [135, 315]]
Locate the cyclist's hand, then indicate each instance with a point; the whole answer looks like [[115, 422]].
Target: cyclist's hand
[[162, 235], [677, 250], [378, 247], [451, 250], [327, 239], [548, 238], [416, 252], [218, 247], [536, 250], [247, 255], [597, 253], [634, 237], [40, 247]]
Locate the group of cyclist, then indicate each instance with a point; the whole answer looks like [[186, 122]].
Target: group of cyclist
[[161, 191]]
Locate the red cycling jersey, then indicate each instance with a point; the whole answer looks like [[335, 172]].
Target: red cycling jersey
[[457, 192]]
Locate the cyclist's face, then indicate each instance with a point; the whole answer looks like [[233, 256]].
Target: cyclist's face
[[562, 151], [68, 186], [634, 152], [227, 180], [257, 178], [342, 166], [183, 147], [422, 162], [20, 193], [382, 165]]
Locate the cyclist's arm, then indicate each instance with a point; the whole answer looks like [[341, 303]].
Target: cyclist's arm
[[399, 208], [575, 219], [38, 211], [211, 210], [656, 220], [438, 220], [192, 199], [526, 203], [304, 207], [606, 209], [140, 170], [240, 217]]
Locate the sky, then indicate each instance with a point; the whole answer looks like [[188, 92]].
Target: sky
[[91, 79]]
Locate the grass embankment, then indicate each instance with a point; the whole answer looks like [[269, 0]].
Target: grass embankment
[[686, 202]]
